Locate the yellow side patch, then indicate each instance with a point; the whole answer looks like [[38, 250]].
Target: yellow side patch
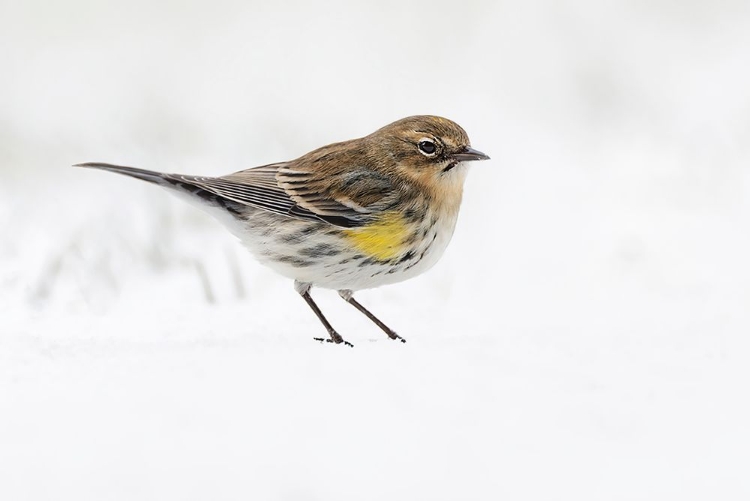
[[383, 240]]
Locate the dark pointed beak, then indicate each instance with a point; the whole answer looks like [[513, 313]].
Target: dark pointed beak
[[469, 154]]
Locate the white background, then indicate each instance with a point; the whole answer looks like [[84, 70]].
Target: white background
[[584, 337]]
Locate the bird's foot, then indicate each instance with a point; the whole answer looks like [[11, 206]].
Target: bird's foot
[[335, 338], [394, 336]]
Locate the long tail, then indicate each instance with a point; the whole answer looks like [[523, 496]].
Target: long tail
[[181, 184], [147, 175]]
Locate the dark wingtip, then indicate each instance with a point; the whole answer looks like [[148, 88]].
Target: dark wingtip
[[145, 175], [93, 164]]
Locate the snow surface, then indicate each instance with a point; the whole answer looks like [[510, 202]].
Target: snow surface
[[586, 336]]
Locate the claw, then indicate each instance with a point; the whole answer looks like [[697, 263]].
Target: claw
[[330, 340], [395, 336]]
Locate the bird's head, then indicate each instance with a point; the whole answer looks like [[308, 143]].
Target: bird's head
[[428, 149]]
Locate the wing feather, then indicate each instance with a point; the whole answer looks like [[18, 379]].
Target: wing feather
[[354, 194], [316, 189]]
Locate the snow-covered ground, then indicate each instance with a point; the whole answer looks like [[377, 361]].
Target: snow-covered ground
[[586, 336]]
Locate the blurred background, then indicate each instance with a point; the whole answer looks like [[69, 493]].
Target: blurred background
[[585, 333]]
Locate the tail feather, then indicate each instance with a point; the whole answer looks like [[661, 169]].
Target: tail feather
[[180, 184], [146, 175]]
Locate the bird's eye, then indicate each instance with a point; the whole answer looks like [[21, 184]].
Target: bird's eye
[[427, 147]]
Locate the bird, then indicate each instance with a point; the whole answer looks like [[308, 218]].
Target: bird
[[348, 216]]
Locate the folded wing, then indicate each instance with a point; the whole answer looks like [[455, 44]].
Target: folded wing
[[346, 199]]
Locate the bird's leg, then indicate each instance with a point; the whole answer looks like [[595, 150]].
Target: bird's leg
[[348, 296], [304, 290]]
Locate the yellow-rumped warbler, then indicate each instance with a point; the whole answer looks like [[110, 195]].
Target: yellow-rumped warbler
[[347, 216]]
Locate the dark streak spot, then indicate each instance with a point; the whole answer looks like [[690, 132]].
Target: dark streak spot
[[406, 257], [231, 207], [294, 261], [320, 250], [449, 167]]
